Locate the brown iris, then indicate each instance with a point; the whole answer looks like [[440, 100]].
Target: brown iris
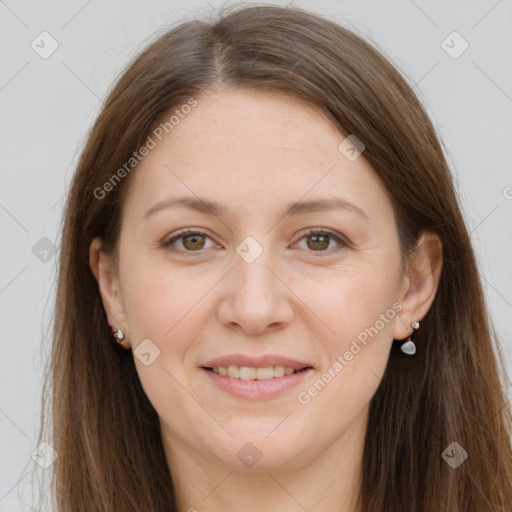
[[194, 244], [318, 244]]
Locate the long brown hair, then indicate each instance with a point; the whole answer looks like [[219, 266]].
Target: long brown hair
[[105, 430]]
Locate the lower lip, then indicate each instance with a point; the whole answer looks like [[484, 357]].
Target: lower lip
[[257, 389]]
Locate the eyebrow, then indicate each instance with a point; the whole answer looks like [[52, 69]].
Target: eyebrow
[[217, 209]]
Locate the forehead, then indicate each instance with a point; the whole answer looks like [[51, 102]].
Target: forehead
[[238, 122], [236, 146]]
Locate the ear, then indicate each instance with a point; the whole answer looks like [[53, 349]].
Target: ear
[[105, 273], [420, 283]]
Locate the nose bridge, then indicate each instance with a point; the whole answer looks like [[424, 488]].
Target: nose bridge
[[256, 297], [252, 267]]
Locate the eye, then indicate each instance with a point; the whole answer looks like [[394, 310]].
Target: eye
[[194, 241], [191, 241], [320, 241]]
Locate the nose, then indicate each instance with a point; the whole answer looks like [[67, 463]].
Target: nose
[[255, 296]]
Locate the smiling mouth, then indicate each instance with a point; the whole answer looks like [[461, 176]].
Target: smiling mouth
[[252, 373]]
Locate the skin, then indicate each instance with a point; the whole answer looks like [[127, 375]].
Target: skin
[[255, 152]]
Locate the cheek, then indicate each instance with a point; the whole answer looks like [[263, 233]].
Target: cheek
[[357, 307], [171, 307], [162, 303], [348, 300]]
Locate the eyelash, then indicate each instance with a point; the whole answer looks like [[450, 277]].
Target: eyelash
[[311, 232]]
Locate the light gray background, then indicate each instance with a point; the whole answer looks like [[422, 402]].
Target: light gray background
[[47, 105]]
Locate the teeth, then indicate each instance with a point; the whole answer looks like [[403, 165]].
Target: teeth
[[247, 373], [251, 373], [233, 372]]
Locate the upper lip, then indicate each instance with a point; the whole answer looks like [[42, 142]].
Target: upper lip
[[256, 362]]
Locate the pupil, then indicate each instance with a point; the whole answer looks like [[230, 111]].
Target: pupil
[[316, 237], [194, 241]]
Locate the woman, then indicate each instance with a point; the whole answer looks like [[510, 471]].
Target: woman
[[267, 297]]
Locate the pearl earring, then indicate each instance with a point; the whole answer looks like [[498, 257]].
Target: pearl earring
[[408, 347], [119, 336]]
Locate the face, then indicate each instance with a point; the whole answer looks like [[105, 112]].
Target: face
[[254, 284]]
